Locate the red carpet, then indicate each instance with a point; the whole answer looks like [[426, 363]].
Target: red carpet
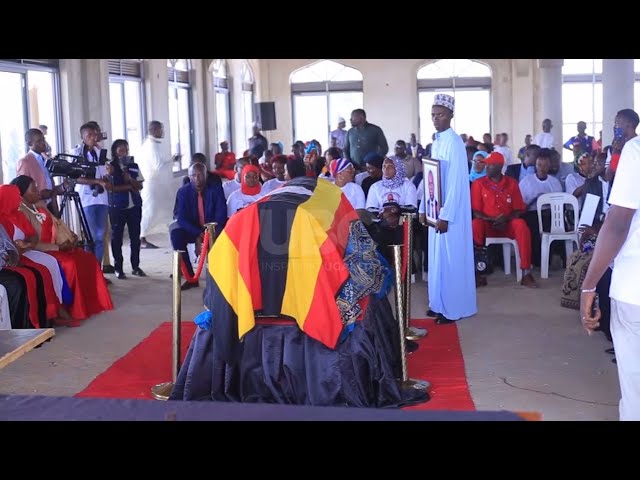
[[438, 360]]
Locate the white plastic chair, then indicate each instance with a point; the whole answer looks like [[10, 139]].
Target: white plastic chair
[[557, 201], [507, 243]]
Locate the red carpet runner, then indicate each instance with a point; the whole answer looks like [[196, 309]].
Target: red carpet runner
[[439, 360]]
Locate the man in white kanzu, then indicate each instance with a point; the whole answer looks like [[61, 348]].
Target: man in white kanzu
[[451, 280], [619, 242], [158, 193]]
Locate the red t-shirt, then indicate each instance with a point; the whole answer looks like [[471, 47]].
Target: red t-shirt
[[494, 199]]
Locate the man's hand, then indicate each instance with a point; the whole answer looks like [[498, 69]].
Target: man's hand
[[590, 316], [442, 226], [422, 218]]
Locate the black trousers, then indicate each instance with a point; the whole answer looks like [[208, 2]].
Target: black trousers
[[16, 289], [605, 303], [131, 218]]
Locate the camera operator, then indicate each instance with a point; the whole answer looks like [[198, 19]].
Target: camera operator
[[125, 206], [33, 165], [93, 195]]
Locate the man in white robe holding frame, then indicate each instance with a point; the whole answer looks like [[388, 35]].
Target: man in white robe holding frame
[[451, 278]]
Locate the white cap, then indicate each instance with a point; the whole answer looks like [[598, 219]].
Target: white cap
[[341, 120]]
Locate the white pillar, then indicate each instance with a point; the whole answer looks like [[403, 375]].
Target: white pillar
[[617, 93], [156, 82], [550, 97]]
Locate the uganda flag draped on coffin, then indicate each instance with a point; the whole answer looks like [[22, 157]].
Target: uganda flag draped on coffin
[[282, 256]]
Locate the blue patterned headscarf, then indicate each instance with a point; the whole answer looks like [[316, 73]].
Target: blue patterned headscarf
[[398, 179]]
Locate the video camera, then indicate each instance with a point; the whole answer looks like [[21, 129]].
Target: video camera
[[74, 166]]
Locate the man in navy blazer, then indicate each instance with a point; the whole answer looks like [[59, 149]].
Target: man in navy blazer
[[197, 203]]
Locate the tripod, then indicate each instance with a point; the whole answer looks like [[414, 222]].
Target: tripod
[[71, 195]]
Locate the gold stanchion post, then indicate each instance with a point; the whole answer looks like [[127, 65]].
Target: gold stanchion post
[[163, 390], [211, 228], [406, 382], [413, 333]]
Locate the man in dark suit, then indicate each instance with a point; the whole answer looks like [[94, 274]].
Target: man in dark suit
[[197, 203]]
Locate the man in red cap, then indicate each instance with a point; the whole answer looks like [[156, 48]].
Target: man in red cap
[[497, 204]]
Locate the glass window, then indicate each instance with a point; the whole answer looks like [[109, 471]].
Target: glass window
[[326, 71], [247, 102], [449, 68], [13, 121], [472, 115], [223, 125], [581, 66], [311, 117], [116, 100], [582, 100], [42, 105], [469, 82], [180, 126], [127, 112], [29, 98], [221, 85], [322, 92]]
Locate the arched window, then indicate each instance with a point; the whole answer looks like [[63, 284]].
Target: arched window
[[180, 112], [221, 87], [29, 95], [469, 82], [126, 97], [582, 99], [248, 96], [322, 92]]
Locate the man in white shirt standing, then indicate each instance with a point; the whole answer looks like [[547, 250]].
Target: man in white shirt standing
[[340, 134], [619, 241], [92, 193], [158, 192], [545, 139]]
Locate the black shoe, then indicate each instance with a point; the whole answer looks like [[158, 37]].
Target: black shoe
[[121, 275], [108, 269], [432, 314], [148, 245], [610, 351], [411, 346], [138, 272], [189, 286], [442, 320]]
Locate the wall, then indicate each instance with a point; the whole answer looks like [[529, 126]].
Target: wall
[[390, 95]]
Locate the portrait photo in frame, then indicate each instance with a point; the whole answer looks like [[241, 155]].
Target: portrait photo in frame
[[432, 190]]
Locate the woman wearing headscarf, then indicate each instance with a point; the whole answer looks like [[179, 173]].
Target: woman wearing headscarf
[[24, 237], [394, 187], [81, 269], [343, 172], [478, 168], [249, 190]]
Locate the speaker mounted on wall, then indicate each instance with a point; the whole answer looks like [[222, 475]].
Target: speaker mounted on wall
[[265, 115]]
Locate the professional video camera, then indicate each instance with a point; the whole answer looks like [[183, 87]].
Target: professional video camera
[[73, 166]]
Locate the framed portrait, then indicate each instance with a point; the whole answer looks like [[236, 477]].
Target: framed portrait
[[432, 190]]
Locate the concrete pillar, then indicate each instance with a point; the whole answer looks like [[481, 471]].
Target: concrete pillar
[[71, 100], [522, 107], [156, 83], [550, 98], [617, 93]]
